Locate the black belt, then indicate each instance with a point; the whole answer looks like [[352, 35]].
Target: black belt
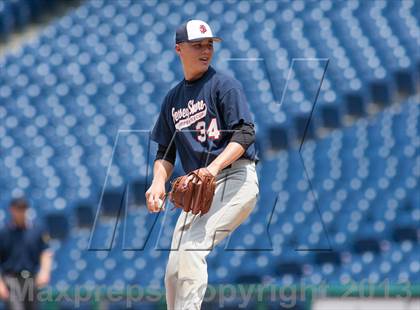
[[230, 166], [22, 274]]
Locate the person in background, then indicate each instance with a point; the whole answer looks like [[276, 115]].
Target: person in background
[[25, 259]]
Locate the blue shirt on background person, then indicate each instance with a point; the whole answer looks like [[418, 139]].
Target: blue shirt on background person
[[20, 248]]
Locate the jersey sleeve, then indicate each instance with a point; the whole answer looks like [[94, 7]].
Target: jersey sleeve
[[234, 106], [44, 238], [162, 132]]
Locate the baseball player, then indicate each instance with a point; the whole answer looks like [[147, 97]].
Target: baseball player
[[25, 259], [206, 119]]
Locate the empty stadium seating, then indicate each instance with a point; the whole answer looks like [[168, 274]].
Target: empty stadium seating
[[15, 15]]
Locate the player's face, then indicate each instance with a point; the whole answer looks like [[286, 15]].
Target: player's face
[[196, 57], [18, 216]]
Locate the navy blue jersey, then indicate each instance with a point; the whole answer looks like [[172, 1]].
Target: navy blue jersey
[[20, 249], [200, 115]]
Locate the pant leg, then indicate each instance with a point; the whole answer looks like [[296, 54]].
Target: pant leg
[[30, 292], [23, 293], [171, 274], [171, 278], [15, 301], [235, 198]]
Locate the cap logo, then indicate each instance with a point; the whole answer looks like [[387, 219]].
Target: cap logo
[[203, 29]]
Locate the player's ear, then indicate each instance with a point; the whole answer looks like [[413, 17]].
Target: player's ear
[[177, 49]]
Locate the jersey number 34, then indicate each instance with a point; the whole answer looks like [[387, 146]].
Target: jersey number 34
[[212, 131]]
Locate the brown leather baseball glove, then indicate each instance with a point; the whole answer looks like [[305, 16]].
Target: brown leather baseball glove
[[194, 192]]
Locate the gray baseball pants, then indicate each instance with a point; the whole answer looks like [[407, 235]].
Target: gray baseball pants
[[195, 236]]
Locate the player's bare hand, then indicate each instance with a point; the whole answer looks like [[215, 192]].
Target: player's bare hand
[[4, 291], [42, 279], [155, 196]]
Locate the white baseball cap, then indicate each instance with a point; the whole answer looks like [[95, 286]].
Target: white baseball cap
[[194, 30]]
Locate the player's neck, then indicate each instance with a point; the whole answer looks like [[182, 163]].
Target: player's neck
[[19, 224], [193, 76]]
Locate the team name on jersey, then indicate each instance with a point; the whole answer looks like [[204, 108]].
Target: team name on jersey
[[185, 117]]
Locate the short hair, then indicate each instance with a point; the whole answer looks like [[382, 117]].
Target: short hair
[[19, 203]]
